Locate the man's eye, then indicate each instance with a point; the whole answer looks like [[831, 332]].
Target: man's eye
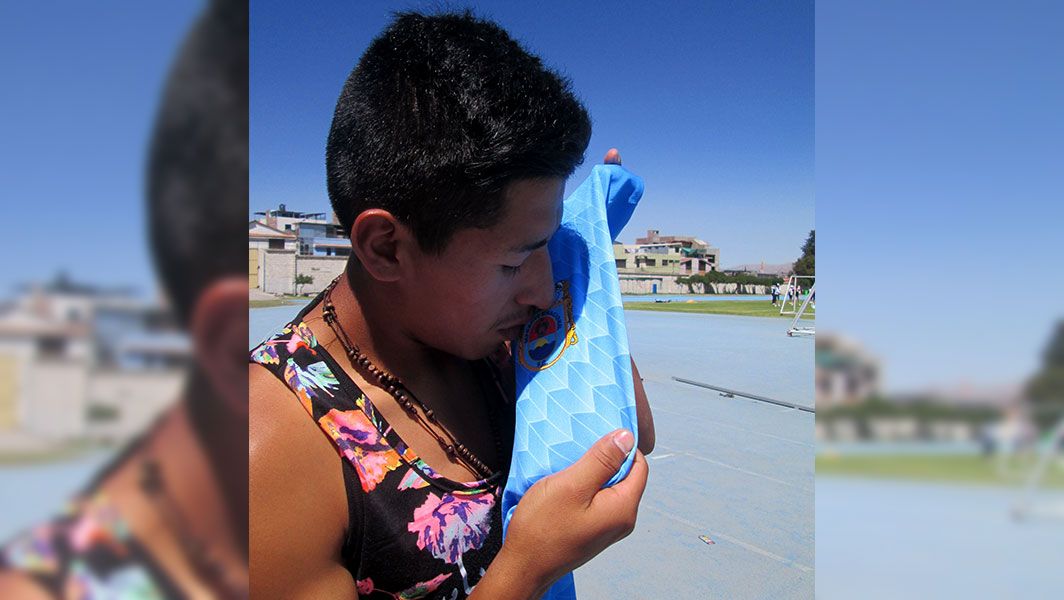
[[511, 271]]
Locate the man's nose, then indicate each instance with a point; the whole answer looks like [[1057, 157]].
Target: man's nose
[[538, 286]]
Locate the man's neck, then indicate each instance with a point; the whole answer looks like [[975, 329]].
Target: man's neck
[[367, 317], [192, 488]]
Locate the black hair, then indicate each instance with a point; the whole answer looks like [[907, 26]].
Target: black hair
[[197, 174], [441, 113]]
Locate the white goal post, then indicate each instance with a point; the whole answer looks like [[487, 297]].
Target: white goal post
[[789, 294]]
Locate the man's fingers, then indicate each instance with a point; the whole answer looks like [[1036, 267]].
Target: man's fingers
[[636, 481], [601, 462], [613, 157]]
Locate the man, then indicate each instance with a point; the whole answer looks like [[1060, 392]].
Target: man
[[446, 162], [168, 517]]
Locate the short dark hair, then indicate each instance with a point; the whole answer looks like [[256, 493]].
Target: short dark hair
[[441, 113], [197, 179]]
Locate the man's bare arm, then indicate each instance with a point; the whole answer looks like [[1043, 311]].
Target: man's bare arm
[[296, 499]]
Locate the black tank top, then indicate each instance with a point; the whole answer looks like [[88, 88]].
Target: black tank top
[[421, 535]]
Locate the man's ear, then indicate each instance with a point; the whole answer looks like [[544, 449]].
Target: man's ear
[[381, 243], [219, 330]]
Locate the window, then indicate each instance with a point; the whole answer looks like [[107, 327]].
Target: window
[[51, 347], [276, 244], [288, 227]]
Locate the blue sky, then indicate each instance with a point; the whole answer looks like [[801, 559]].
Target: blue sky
[[711, 103], [939, 145], [80, 85], [940, 170]]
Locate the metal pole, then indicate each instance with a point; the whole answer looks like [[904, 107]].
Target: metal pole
[[745, 395]]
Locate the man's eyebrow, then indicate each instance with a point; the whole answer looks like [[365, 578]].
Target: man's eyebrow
[[530, 247]]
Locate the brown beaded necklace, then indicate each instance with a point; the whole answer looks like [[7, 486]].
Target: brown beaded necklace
[[408, 401]]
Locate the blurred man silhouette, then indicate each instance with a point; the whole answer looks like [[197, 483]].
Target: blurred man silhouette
[[168, 516]]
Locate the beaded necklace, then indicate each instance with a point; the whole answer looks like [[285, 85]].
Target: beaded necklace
[[417, 410]]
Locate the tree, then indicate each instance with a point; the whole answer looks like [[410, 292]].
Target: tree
[[806, 265], [301, 280], [1046, 389]]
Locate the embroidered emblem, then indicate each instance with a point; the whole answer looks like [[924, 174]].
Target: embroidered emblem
[[549, 332]]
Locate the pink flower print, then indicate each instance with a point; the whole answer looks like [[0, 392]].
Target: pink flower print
[[98, 524], [417, 591], [361, 443], [451, 525], [421, 589], [364, 586], [302, 337], [307, 335]]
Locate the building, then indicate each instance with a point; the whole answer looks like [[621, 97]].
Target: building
[[314, 235], [666, 255], [846, 374], [653, 263], [263, 239], [83, 362], [286, 244]]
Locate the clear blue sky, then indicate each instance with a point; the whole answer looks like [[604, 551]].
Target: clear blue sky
[[940, 171], [80, 85], [710, 102]]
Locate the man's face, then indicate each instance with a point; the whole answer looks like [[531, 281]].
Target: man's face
[[484, 286]]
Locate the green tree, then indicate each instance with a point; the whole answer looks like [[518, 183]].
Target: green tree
[[1046, 389], [806, 265], [301, 280]]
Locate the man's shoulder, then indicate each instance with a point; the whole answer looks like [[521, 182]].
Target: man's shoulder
[[294, 471], [278, 422], [15, 584], [297, 500]]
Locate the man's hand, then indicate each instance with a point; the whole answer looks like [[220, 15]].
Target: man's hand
[[566, 519]]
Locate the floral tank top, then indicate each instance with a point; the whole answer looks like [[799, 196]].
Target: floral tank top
[[86, 553], [421, 535]]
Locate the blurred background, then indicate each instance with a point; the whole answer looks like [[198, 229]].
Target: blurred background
[[940, 350], [939, 145], [90, 353]]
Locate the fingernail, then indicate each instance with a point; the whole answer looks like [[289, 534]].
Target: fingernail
[[624, 440]]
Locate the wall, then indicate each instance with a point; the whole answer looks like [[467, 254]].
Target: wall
[[643, 284], [53, 394], [278, 269], [137, 397], [322, 268]]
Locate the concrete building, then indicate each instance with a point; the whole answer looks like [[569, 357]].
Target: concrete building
[[666, 255], [652, 264], [77, 361], [263, 238], [845, 373], [314, 234]]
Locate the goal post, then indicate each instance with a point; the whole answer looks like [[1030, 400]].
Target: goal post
[[789, 297]]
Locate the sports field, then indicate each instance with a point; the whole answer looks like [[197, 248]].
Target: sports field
[[744, 308]]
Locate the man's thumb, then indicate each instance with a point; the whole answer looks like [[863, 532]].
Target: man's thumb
[[604, 459]]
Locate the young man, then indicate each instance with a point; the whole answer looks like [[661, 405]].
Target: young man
[[168, 517], [447, 160]]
